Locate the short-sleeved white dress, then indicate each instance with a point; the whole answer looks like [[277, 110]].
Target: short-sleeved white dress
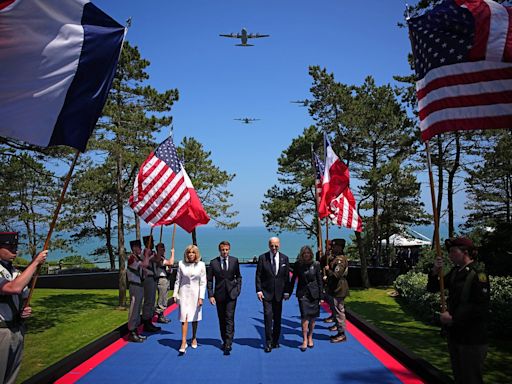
[[190, 285]]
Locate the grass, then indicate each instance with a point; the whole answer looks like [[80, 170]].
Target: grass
[[65, 320], [387, 313]]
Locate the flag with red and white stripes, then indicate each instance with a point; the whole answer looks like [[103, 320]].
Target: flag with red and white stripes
[[462, 56], [319, 174], [163, 193], [336, 199], [344, 212]]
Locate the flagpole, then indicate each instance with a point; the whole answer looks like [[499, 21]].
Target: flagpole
[[161, 233], [437, 243], [52, 225], [173, 235], [317, 202]]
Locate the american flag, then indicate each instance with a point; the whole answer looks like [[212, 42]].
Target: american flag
[[161, 189], [319, 174], [462, 57], [344, 211]]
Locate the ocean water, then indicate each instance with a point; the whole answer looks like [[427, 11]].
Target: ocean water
[[246, 242]]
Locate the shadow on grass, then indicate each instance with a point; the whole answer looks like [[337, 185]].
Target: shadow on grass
[[52, 310]]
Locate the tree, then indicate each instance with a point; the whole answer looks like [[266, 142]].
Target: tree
[[290, 205], [489, 184], [29, 194], [92, 206], [124, 135], [210, 183]]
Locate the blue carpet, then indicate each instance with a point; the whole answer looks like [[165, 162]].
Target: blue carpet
[[157, 361]]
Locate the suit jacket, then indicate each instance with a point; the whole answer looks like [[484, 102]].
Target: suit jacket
[[273, 286], [227, 283], [309, 280]]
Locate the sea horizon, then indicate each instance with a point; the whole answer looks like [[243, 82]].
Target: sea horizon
[[247, 242]]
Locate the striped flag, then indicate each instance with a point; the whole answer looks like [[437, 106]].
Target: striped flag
[[335, 179], [462, 57], [319, 174], [344, 212], [163, 193], [337, 201], [58, 59]]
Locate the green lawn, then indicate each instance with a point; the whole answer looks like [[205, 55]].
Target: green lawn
[[66, 320], [386, 313]]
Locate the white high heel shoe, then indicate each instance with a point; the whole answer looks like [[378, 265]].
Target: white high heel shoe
[[183, 350]]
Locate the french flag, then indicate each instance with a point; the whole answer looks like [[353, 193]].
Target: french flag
[[57, 62], [335, 181]]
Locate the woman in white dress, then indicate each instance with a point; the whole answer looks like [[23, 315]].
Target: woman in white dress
[[189, 291]]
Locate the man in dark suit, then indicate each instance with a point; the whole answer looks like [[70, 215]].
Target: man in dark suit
[[272, 279], [225, 270]]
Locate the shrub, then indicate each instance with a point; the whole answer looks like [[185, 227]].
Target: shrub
[[412, 289]]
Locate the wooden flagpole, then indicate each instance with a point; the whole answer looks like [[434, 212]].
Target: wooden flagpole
[[52, 225], [173, 235], [317, 203], [437, 243]]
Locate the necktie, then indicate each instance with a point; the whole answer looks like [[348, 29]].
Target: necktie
[[274, 263], [224, 266]]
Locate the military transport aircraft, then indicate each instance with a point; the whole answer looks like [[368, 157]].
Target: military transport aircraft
[[243, 35], [303, 103], [247, 120]]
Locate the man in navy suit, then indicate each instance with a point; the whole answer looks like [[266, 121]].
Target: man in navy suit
[[272, 278], [225, 270]]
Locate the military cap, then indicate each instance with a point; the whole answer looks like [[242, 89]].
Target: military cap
[[458, 242], [146, 240], [9, 239], [135, 243], [338, 242]]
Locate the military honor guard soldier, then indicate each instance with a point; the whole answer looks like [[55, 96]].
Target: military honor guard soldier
[[13, 290], [468, 310], [163, 281], [135, 275], [336, 272], [150, 282]]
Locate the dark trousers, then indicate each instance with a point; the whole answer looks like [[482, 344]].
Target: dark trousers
[[226, 314], [272, 315], [467, 362]]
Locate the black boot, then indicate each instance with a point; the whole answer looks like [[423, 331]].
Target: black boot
[[134, 338], [162, 319], [149, 327]]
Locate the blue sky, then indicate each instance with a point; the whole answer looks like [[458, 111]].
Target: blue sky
[[219, 82]]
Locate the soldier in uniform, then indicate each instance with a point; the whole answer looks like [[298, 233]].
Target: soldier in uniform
[[336, 272], [468, 307], [135, 274], [163, 281], [150, 279], [13, 290]]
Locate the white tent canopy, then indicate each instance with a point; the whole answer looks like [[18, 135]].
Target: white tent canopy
[[401, 240]]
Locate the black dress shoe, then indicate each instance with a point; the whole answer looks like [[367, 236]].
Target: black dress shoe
[[275, 345], [149, 327], [303, 349], [228, 348], [268, 349]]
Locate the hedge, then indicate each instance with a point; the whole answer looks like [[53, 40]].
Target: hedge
[[412, 289]]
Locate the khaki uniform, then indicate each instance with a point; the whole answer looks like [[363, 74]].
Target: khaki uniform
[[135, 282], [150, 281], [163, 289], [12, 329], [337, 288]]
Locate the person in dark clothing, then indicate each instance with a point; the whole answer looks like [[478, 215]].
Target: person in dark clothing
[[309, 287], [468, 306]]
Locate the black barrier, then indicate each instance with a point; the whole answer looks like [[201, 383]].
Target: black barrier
[[379, 276]]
